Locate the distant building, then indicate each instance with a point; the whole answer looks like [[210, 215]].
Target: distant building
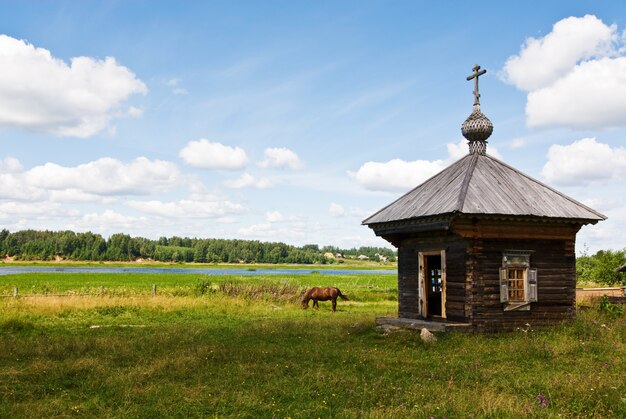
[[329, 255], [484, 244], [362, 257]]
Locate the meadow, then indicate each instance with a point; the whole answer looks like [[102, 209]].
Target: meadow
[[227, 346]]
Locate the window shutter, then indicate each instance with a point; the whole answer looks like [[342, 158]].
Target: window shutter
[[532, 285], [504, 285]]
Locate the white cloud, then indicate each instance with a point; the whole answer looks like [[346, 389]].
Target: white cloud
[[78, 196], [14, 186], [10, 165], [583, 162], [188, 208], [109, 222], [574, 76], [212, 155], [133, 112], [39, 210], [400, 176], [543, 61], [518, 143], [256, 230], [396, 175], [289, 232], [592, 95], [95, 181], [274, 217], [41, 93], [336, 210], [108, 176], [246, 180], [281, 158]]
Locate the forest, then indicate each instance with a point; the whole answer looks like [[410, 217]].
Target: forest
[[29, 245]]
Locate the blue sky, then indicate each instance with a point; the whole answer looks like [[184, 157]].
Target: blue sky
[[293, 121]]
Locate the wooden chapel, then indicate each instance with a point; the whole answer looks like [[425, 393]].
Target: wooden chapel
[[482, 243]]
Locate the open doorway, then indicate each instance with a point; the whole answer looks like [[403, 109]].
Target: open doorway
[[432, 284]]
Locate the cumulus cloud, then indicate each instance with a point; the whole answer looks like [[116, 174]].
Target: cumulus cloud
[[592, 95], [543, 61], [278, 158], [399, 175], [188, 208], [95, 181], [41, 93], [246, 180], [14, 186], [574, 75], [108, 176], [396, 175], [583, 162], [213, 155], [78, 196], [10, 165]]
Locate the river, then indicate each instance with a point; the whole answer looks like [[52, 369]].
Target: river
[[12, 270]]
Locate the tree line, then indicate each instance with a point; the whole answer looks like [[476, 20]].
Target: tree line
[[31, 245]]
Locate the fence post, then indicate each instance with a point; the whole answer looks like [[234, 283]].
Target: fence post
[[154, 290], [15, 292]]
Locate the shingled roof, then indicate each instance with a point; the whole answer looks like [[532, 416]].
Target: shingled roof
[[479, 184]]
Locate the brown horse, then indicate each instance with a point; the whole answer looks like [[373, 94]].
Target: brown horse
[[322, 294]]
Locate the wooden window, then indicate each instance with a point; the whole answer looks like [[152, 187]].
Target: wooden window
[[517, 284], [518, 281]]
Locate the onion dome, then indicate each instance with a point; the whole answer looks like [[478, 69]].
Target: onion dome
[[477, 127]]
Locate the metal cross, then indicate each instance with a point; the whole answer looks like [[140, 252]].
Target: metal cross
[[477, 73]]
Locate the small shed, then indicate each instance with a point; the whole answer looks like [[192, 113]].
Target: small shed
[[484, 244]]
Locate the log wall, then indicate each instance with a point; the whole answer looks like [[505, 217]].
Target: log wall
[[457, 298], [473, 260], [556, 283]]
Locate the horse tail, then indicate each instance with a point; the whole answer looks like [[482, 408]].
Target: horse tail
[[340, 295]]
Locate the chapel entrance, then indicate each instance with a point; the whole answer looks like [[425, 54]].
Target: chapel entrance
[[432, 284]]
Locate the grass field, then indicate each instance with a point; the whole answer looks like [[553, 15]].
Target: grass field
[[242, 347]]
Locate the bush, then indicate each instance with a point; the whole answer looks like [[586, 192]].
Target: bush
[[611, 309], [600, 268]]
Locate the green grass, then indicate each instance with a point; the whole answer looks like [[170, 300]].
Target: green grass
[[187, 354], [128, 284]]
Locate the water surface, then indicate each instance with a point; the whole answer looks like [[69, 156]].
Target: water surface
[[206, 271]]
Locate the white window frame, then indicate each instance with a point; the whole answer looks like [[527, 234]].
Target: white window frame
[[518, 259]]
